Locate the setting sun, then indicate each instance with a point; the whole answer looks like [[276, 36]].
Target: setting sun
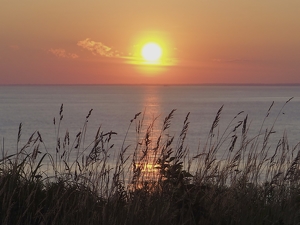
[[151, 52]]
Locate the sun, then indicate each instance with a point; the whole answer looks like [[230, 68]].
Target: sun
[[151, 52]]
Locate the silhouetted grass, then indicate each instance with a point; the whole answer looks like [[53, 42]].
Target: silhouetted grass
[[234, 178]]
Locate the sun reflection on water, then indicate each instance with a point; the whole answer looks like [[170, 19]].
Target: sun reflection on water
[[147, 152]]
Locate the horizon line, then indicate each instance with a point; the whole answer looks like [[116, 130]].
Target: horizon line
[[145, 84]]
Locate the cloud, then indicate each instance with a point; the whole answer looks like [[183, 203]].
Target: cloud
[[61, 53], [98, 48]]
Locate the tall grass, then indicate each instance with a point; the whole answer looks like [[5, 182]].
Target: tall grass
[[233, 178]]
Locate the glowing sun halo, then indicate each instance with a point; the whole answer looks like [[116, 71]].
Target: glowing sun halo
[[151, 52]]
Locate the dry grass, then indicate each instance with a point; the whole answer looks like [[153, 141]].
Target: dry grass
[[234, 178]]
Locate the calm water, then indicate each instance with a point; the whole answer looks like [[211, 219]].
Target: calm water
[[114, 107]]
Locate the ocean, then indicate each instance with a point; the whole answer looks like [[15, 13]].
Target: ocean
[[114, 106]]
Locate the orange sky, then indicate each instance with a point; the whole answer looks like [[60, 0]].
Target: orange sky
[[98, 42]]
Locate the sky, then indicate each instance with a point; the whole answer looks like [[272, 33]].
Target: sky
[[99, 41]]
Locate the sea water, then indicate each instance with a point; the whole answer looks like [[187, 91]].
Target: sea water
[[114, 106]]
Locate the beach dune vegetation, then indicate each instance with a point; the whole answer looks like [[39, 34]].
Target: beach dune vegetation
[[234, 178]]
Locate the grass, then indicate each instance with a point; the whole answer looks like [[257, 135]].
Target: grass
[[234, 178]]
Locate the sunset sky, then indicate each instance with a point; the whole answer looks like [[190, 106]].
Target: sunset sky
[[99, 41]]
